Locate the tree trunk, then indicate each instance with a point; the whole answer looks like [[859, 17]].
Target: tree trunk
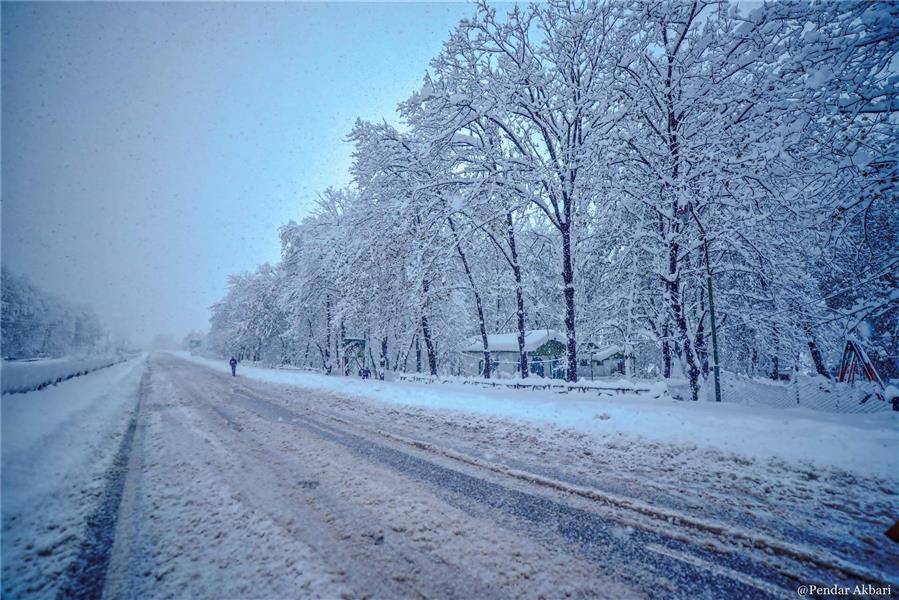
[[406, 355], [702, 351], [385, 359], [666, 323], [519, 296], [680, 319], [817, 358], [426, 330], [666, 350], [285, 357], [775, 360], [327, 354], [690, 359], [568, 281], [477, 298], [417, 354], [371, 357], [308, 342], [341, 348], [673, 282], [429, 345]]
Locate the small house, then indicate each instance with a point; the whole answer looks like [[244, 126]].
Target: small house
[[545, 349], [600, 361]]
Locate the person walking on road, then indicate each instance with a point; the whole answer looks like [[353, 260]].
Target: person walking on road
[[233, 363]]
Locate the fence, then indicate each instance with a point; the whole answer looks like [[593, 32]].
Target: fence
[[548, 366], [805, 391], [534, 383]]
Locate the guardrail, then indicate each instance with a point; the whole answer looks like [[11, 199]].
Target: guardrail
[[20, 377]]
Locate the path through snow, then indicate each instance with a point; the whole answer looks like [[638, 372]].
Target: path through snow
[[57, 447]]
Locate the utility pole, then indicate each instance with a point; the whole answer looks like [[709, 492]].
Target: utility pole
[[708, 267]]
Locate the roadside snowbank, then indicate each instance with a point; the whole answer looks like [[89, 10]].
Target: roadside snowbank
[[30, 375], [866, 444], [57, 444]]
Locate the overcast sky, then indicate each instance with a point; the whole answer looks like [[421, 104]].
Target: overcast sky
[[149, 150]]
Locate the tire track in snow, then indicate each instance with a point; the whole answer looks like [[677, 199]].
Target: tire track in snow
[[599, 536], [762, 542], [86, 575], [734, 538]]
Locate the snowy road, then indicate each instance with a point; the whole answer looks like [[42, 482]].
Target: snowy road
[[242, 488], [231, 487]]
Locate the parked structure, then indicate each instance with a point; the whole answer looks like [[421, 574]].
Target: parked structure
[[353, 355], [856, 364]]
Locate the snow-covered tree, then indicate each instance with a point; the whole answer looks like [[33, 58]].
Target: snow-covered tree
[[609, 170], [38, 324]]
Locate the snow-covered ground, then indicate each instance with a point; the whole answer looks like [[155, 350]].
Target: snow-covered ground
[[185, 528], [224, 502], [280, 483], [866, 444], [28, 375], [636, 454], [57, 444]]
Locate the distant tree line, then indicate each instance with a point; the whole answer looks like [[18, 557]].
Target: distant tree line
[[602, 168], [36, 324]]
